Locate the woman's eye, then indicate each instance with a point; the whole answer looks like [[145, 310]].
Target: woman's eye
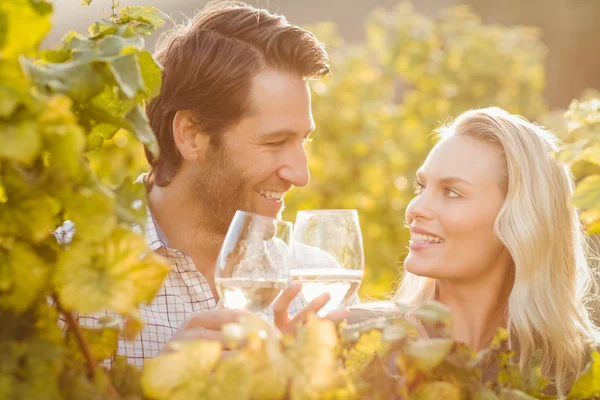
[[452, 194], [418, 187]]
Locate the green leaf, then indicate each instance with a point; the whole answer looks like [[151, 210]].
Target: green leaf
[[181, 373], [24, 277], [514, 394], [79, 80], [380, 384], [56, 56], [588, 383], [314, 366], [143, 14], [428, 353], [484, 393], [101, 341], [92, 213], [368, 346], [20, 141], [16, 37], [117, 274], [140, 126], [151, 73], [64, 140], [32, 354], [131, 203], [587, 193], [29, 213], [435, 315], [127, 74], [437, 390], [86, 2], [14, 87], [126, 378]]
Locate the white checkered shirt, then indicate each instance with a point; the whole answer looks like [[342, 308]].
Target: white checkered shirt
[[185, 291]]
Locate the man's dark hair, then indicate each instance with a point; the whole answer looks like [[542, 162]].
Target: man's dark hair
[[208, 67]]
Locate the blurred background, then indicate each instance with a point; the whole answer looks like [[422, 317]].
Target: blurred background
[[400, 69]]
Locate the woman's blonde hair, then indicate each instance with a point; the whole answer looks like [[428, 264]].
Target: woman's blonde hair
[[540, 228]]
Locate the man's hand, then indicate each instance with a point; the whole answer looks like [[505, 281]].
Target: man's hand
[[206, 325], [281, 305]]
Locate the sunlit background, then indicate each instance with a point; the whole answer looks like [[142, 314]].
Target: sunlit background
[[399, 70]]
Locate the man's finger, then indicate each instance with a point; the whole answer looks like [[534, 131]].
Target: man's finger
[[202, 334], [282, 304], [215, 319]]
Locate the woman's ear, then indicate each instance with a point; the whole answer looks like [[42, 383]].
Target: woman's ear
[[190, 141]]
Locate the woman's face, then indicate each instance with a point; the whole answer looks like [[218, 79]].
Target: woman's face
[[451, 219]]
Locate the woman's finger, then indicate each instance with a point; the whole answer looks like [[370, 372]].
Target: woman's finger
[[311, 308], [338, 315], [282, 304]]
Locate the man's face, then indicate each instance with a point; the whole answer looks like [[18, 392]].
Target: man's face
[[262, 157]]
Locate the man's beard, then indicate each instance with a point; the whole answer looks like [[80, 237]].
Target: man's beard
[[217, 193]]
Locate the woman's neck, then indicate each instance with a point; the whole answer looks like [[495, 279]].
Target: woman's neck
[[478, 308]]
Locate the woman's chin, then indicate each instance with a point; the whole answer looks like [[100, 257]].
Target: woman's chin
[[417, 266]]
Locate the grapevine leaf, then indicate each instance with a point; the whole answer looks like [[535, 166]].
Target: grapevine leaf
[[437, 390], [182, 372], [117, 274], [102, 342], [16, 37], [151, 73], [27, 214], [587, 195], [23, 277], [126, 72], [428, 353], [14, 87], [314, 362], [64, 139], [20, 141], [92, 213], [588, 384], [381, 385], [126, 378], [147, 15], [140, 126], [514, 394], [369, 345]]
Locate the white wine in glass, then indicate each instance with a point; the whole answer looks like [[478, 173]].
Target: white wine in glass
[[328, 256], [253, 264]]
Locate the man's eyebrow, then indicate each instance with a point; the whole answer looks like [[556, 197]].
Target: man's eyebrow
[[289, 132], [447, 180]]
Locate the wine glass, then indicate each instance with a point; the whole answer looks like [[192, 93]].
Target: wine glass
[[327, 256], [253, 264]]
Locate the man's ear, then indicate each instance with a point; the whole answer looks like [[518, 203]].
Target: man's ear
[[191, 142]]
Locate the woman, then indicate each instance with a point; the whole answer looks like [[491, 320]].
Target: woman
[[493, 237]]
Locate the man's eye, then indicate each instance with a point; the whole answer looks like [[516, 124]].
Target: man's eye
[[276, 144]]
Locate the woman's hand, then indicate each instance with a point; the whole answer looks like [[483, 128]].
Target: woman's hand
[[281, 305]]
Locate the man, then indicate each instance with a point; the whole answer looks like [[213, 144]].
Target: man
[[232, 120]]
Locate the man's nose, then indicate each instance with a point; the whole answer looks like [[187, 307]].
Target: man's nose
[[295, 168]]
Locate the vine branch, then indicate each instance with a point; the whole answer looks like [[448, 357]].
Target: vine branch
[[92, 366]]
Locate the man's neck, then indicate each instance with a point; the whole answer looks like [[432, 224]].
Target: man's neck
[[478, 308], [179, 222]]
